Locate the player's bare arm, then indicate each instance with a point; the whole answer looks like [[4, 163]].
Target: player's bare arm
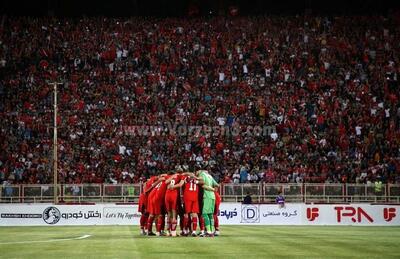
[[150, 188], [188, 174], [168, 180], [176, 186], [160, 179]]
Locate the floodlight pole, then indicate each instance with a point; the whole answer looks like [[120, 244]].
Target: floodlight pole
[[55, 164]]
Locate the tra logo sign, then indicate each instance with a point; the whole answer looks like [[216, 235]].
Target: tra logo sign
[[356, 214], [312, 213], [389, 214], [352, 214]]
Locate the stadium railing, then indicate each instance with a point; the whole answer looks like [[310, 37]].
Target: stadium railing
[[260, 193]]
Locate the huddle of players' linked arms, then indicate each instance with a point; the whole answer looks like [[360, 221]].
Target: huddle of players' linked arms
[[193, 198]]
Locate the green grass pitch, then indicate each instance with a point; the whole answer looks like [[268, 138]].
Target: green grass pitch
[[235, 242]]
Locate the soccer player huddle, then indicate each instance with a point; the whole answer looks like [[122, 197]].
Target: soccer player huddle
[[193, 197]]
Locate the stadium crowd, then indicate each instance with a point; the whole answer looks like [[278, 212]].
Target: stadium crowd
[[328, 86]]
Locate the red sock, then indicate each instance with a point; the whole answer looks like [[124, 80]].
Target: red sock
[[150, 224], [143, 221], [185, 222], [216, 222], [194, 224], [202, 223], [173, 225], [159, 224]]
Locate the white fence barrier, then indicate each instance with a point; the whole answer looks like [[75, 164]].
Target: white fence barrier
[[230, 213]]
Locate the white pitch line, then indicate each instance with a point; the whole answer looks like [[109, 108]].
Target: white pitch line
[[46, 241]]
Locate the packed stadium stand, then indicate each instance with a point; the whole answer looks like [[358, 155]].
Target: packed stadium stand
[[326, 88]]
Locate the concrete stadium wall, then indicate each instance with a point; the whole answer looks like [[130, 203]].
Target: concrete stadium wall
[[229, 214]]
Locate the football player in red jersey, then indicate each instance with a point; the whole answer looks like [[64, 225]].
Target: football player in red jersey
[[191, 202], [150, 204], [217, 203], [158, 200], [142, 209], [172, 200], [143, 204]]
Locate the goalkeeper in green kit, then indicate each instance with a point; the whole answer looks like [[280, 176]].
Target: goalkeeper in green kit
[[208, 200]]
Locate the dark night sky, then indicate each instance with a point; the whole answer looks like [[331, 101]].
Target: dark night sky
[[180, 7]]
